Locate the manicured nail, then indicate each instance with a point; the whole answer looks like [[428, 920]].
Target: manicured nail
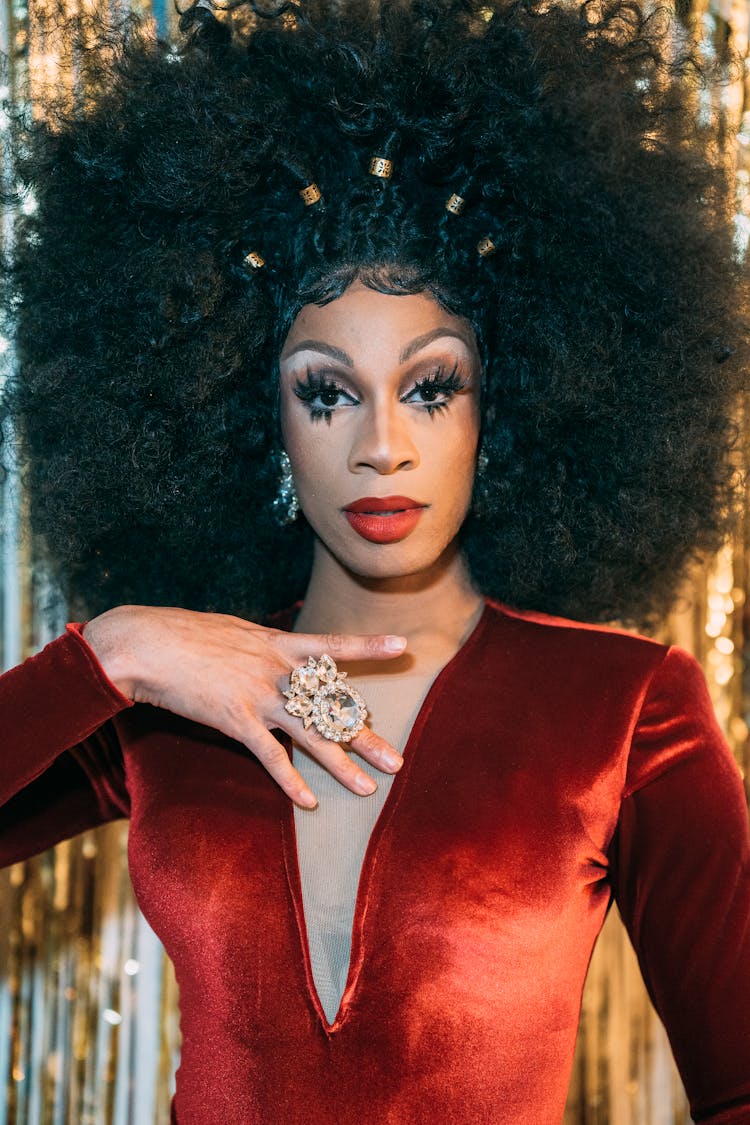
[[395, 644], [366, 785], [308, 799], [393, 761]]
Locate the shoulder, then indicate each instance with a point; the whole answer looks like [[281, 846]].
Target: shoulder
[[662, 688], [546, 631], [602, 657]]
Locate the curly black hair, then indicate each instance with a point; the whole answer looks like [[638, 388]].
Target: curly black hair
[[611, 318]]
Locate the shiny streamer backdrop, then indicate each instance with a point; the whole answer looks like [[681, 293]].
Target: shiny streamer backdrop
[[89, 1029]]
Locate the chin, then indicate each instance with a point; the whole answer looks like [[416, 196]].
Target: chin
[[392, 560], [385, 571]]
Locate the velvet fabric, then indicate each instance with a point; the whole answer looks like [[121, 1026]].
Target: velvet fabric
[[552, 768]]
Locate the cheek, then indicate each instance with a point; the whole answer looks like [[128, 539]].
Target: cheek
[[312, 452], [463, 470], [295, 428], [454, 457]]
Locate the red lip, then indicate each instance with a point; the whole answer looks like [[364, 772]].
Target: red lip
[[383, 504], [387, 526]]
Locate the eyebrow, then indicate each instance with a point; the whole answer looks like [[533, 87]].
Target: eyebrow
[[416, 345]]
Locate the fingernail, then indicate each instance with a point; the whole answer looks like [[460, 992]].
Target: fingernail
[[395, 644], [393, 761], [366, 785], [308, 799]]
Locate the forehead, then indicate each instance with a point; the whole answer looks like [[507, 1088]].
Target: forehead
[[362, 320]]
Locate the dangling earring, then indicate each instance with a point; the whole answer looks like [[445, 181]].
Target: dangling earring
[[483, 462], [286, 504]]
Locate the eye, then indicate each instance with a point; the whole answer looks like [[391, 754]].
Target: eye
[[321, 396], [324, 397], [436, 390]]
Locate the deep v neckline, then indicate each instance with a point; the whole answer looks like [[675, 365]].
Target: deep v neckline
[[369, 862]]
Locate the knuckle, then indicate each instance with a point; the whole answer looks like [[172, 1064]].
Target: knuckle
[[334, 642], [272, 753], [374, 645], [246, 707], [276, 640], [366, 740], [324, 745]]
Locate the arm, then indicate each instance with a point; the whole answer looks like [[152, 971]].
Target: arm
[[60, 763], [681, 878]]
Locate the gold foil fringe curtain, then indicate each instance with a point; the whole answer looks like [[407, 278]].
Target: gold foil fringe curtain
[[88, 1003]]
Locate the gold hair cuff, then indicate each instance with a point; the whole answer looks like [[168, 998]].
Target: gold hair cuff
[[455, 204], [382, 167], [310, 194], [254, 260], [486, 246]]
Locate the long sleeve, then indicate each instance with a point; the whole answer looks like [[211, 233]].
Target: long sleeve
[[681, 879], [60, 762]]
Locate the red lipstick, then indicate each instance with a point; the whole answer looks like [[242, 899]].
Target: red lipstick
[[384, 519]]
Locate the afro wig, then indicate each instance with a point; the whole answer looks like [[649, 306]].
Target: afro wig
[[610, 318]]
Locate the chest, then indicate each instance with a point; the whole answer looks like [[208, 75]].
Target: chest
[[481, 892], [507, 799]]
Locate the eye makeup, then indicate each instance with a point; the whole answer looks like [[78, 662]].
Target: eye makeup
[[322, 394]]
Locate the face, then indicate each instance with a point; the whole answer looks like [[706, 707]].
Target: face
[[379, 398]]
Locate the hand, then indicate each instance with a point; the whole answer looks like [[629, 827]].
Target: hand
[[228, 673]]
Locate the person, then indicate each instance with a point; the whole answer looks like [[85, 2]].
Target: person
[[417, 321]]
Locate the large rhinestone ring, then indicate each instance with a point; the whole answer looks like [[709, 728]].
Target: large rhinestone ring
[[321, 696]]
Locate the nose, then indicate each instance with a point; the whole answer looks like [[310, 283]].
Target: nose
[[383, 440]]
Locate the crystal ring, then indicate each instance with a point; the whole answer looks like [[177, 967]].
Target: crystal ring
[[321, 696]]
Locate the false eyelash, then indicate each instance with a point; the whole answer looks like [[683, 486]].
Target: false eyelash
[[309, 390], [315, 384], [451, 381], [448, 384]]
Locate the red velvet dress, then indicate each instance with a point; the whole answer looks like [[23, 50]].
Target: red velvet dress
[[552, 767]]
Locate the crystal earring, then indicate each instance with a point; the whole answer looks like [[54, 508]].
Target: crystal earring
[[482, 461], [286, 504]]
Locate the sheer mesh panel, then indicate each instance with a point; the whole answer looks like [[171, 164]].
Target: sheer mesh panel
[[332, 838]]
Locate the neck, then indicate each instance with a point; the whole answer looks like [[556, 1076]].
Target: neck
[[438, 603]]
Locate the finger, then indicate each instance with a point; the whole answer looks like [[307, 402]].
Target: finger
[[328, 753], [377, 751], [274, 758], [344, 646], [336, 761]]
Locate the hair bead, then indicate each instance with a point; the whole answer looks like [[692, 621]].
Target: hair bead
[[455, 204], [310, 194], [382, 167], [254, 260], [486, 246]]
